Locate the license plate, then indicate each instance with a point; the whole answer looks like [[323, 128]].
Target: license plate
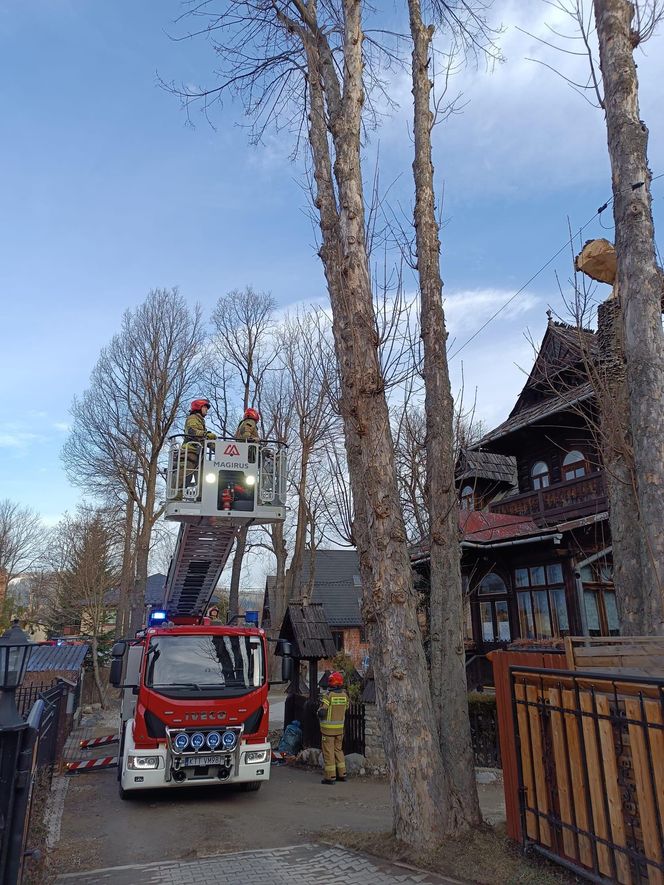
[[203, 760]]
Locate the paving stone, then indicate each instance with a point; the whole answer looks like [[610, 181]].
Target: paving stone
[[310, 864]]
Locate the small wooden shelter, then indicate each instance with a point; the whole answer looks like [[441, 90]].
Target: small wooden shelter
[[307, 629]]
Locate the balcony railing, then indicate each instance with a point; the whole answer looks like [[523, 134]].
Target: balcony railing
[[572, 498]]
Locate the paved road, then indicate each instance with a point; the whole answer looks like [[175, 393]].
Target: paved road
[[311, 864]]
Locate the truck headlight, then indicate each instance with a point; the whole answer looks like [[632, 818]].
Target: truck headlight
[[255, 757], [142, 762]]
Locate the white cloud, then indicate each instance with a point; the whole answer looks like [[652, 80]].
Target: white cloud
[[466, 310], [524, 129], [12, 436], [62, 426]]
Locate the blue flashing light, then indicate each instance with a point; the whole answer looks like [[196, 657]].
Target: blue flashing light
[[213, 740], [251, 618], [229, 739], [181, 741], [158, 617], [197, 740]]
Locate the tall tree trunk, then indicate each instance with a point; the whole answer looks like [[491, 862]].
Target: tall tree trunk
[[95, 671], [416, 773], [627, 533], [278, 601], [449, 691], [236, 571], [127, 573], [143, 539], [638, 285], [293, 577]]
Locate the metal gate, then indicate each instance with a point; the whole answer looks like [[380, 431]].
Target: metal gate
[[590, 759]]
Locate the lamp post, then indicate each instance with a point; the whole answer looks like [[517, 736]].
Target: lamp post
[[15, 650]]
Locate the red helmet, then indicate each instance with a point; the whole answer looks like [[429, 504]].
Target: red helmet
[[335, 679], [252, 414], [198, 404]]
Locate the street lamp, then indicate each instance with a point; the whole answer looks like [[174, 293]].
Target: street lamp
[[15, 649]]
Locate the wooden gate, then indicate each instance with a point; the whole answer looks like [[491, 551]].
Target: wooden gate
[[354, 729], [590, 758]]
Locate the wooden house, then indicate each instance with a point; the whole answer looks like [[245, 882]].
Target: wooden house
[[535, 536]]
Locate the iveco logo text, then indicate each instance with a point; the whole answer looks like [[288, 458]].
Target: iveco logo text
[[203, 717]]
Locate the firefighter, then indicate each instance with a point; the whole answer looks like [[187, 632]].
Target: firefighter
[[195, 432], [332, 715], [247, 429]]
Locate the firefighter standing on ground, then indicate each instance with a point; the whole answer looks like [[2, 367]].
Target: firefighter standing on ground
[[332, 715]]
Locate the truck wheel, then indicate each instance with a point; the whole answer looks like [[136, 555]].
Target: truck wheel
[[250, 786], [125, 794]]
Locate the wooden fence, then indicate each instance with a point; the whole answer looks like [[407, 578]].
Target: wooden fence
[[590, 760]]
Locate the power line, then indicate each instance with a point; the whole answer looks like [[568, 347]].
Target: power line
[[542, 268]]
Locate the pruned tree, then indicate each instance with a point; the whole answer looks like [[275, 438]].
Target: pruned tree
[[137, 392], [313, 60], [242, 355], [621, 27], [630, 326]]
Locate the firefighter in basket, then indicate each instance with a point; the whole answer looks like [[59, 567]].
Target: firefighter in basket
[[332, 715], [195, 433]]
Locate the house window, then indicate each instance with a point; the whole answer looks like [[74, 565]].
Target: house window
[[467, 498], [492, 583], [363, 634], [574, 465], [338, 638], [540, 475], [494, 613], [541, 601], [599, 599]]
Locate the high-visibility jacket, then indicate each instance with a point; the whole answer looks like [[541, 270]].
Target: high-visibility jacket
[[333, 710]]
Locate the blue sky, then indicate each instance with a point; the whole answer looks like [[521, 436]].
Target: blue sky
[[106, 193]]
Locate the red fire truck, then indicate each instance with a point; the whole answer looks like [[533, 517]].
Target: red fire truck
[[195, 693]]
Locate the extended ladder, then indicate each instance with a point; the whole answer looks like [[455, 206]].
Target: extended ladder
[[201, 553]]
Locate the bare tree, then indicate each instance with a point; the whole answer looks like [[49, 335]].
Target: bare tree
[[299, 57], [21, 539], [308, 362], [85, 567], [242, 322], [137, 391]]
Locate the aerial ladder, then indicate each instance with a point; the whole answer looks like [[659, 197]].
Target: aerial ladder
[[213, 489], [195, 707]]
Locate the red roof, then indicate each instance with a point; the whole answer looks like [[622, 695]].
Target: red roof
[[482, 526]]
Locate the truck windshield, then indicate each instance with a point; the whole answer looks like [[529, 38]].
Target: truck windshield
[[229, 665]]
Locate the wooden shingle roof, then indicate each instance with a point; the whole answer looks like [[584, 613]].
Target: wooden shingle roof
[[306, 627]]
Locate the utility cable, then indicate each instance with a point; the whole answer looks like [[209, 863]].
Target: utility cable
[[542, 268]]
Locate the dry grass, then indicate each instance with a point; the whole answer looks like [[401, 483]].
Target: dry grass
[[485, 856]]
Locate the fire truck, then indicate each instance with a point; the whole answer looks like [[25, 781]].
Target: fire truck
[[194, 705]]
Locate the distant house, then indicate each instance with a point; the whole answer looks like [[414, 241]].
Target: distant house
[[154, 596], [338, 588]]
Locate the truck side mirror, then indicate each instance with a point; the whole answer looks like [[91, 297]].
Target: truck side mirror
[[118, 649], [286, 669], [115, 674]]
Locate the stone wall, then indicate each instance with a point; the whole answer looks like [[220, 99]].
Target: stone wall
[[374, 751]]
